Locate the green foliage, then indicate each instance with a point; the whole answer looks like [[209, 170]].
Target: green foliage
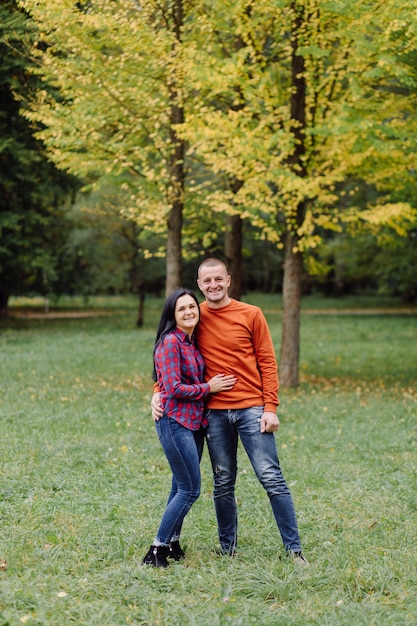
[[376, 259], [84, 481], [354, 117], [254, 149], [112, 115], [33, 191], [234, 72], [104, 253], [394, 269]]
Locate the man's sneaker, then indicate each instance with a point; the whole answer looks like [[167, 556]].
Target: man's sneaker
[[157, 556], [298, 557], [232, 551]]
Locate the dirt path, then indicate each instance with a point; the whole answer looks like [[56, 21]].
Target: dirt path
[[400, 311], [34, 315], [86, 314]]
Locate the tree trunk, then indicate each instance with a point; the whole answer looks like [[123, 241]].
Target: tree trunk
[[174, 251], [293, 262], [177, 171], [141, 307], [233, 253], [291, 291], [4, 304]]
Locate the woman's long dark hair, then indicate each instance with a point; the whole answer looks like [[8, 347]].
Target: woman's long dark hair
[[167, 323]]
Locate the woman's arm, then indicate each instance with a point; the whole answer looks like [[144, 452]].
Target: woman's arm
[[168, 367]]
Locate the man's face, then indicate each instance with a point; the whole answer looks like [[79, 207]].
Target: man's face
[[213, 282]]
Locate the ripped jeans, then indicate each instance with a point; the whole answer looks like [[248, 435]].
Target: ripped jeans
[[224, 429]]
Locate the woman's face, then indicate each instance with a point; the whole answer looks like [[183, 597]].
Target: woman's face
[[187, 314]]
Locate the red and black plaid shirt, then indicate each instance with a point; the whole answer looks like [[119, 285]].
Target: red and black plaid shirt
[[179, 368]]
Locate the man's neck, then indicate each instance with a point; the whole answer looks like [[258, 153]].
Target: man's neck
[[219, 305]]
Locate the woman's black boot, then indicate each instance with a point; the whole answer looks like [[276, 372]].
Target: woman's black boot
[[175, 551], [157, 556]]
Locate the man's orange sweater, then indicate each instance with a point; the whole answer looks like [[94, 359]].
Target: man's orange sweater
[[235, 339]]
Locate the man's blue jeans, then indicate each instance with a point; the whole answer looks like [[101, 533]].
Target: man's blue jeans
[[183, 449], [225, 426]]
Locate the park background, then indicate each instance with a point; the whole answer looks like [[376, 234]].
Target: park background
[[136, 138]]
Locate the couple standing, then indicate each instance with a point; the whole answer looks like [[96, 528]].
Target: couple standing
[[232, 337]]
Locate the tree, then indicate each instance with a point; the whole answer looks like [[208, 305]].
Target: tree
[[118, 69], [377, 259], [33, 193], [104, 252], [321, 88]]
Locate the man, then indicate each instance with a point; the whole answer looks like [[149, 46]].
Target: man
[[234, 338]]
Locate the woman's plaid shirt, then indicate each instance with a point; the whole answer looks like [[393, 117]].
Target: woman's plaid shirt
[[179, 368]]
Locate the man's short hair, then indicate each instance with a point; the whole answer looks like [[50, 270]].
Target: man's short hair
[[212, 262]]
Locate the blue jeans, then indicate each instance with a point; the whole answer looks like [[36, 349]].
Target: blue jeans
[[225, 426], [183, 449]]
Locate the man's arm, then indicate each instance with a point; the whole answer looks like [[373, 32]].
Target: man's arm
[[266, 360], [156, 406]]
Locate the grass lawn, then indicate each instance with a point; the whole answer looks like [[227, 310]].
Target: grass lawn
[[83, 480]]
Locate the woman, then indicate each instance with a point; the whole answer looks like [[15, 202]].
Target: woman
[[178, 369]]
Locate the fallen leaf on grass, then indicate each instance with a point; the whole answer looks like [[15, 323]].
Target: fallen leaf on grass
[[3, 564]]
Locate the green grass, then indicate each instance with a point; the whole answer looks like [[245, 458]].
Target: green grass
[[83, 481]]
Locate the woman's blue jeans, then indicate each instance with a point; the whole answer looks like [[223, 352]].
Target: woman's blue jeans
[[183, 449], [225, 426]]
